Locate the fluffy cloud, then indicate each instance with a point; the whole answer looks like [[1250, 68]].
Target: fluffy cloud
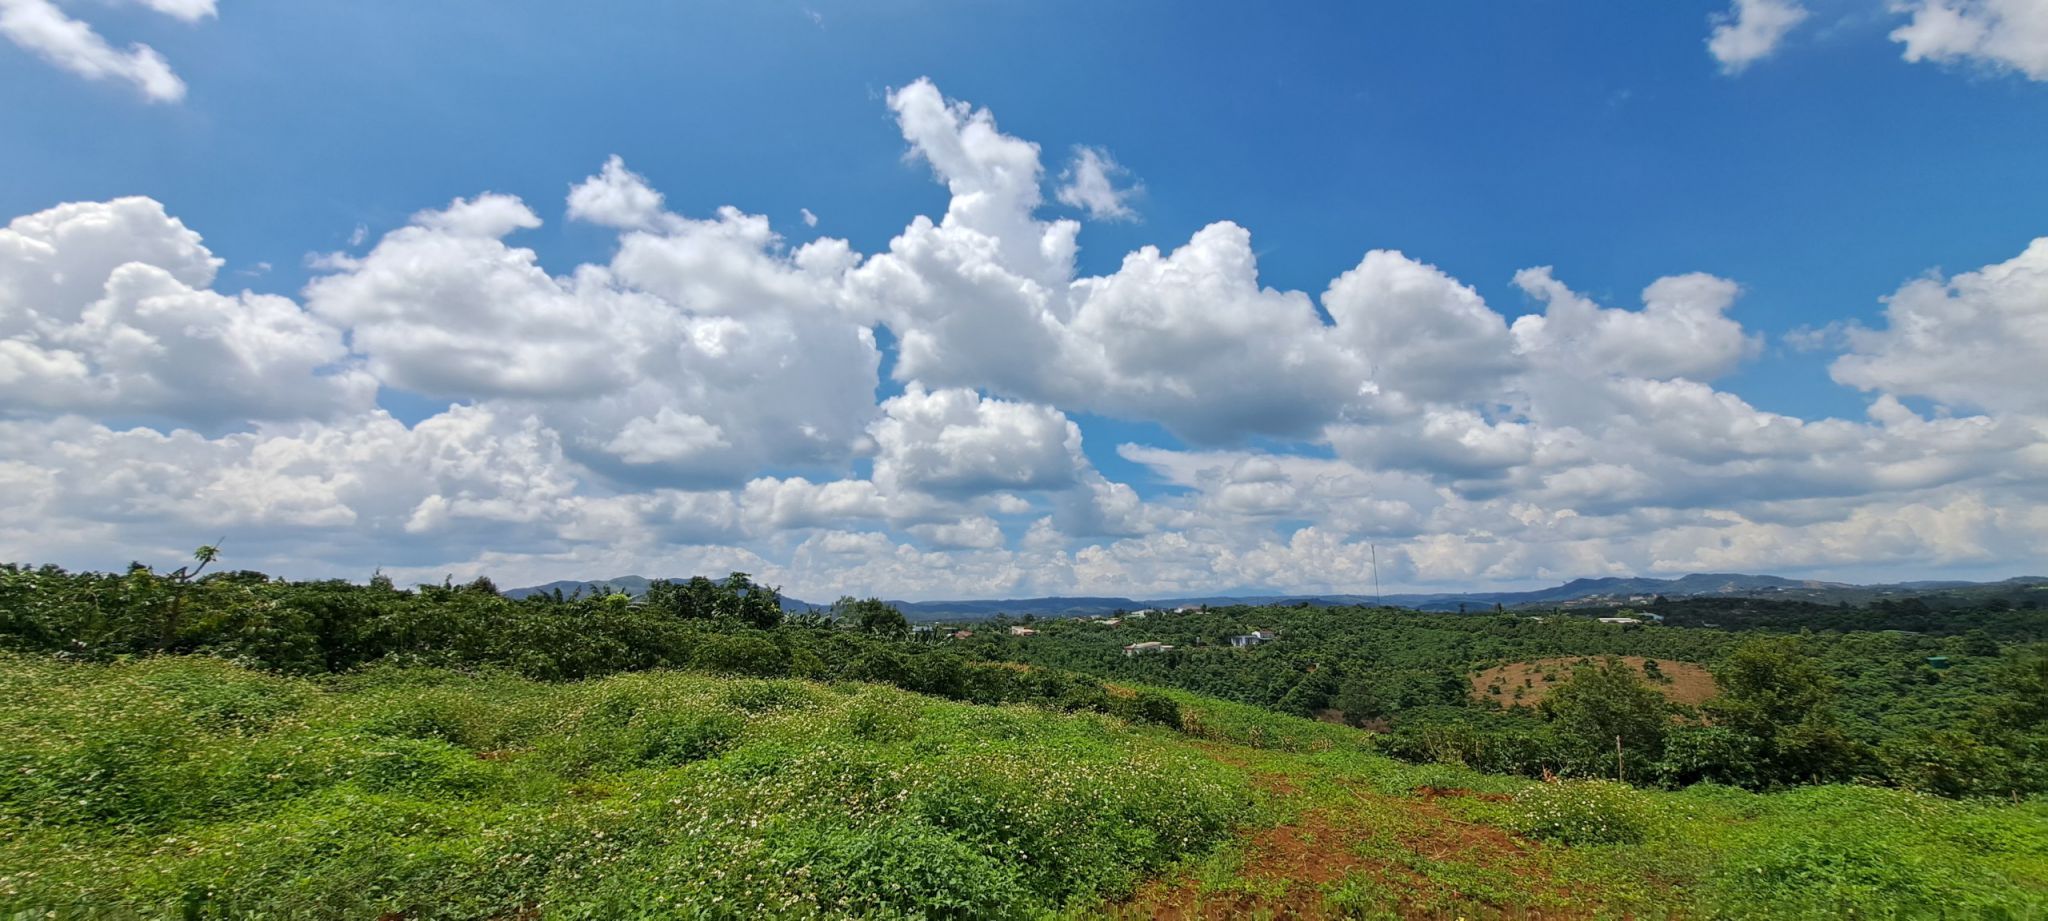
[[616, 197], [1977, 340], [1751, 30], [445, 307], [1997, 35], [2000, 34], [1682, 330], [699, 354], [463, 480], [1090, 184], [106, 308], [704, 398], [954, 442], [1419, 329], [1190, 339], [39, 26]]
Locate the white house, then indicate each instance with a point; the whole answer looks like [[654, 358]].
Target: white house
[[1139, 649], [1023, 631], [1253, 638]]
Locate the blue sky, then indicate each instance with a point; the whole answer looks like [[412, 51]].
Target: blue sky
[[1601, 139]]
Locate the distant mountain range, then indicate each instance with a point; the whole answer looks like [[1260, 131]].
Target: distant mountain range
[[1578, 592]]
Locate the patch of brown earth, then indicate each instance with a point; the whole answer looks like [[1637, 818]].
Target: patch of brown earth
[[1679, 682], [1282, 876], [1288, 870], [1120, 690]]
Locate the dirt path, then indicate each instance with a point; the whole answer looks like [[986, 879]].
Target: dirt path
[[1352, 853]]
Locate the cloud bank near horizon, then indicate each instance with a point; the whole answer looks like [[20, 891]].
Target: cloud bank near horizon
[[712, 398]]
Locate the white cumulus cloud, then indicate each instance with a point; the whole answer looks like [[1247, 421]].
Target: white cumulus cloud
[[44, 29], [703, 397], [2000, 34], [1090, 183], [1977, 340], [1752, 30]]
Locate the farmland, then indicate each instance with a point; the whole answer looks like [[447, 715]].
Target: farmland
[[188, 786], [237, 746], [1526, 684]]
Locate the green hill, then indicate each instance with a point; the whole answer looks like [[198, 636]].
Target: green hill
[[186, 786]]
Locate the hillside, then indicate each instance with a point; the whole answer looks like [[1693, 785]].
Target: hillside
[[1525, 684], [1577, 592], [188, 786]]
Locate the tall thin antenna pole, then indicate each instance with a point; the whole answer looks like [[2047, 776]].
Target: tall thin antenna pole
[[1378, 600]]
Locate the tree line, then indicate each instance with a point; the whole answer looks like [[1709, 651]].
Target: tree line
[[732, 626], [1959, 708]]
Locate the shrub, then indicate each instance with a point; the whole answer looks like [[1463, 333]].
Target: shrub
[[880, 721], [669, 737], [1148, 707], [768, 696], [1583, 812], [1706, 754], [420, 768], [740, 655]]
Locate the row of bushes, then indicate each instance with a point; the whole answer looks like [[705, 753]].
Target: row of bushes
[[332, 626]]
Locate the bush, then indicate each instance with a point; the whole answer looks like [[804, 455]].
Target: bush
[[1583, 812], [740, 655], [668, 738], [1148, 707], [1706, 754]]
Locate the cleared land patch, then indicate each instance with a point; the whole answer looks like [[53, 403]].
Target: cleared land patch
[[1525, 684]]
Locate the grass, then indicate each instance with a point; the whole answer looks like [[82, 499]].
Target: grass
[[193, 788]]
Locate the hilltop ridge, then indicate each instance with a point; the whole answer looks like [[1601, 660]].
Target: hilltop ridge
[[1583, 591]]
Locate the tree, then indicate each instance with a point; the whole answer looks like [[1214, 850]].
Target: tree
[[755, 605], [872, 616], [181, 580], [1775, 693], [1607, 710]]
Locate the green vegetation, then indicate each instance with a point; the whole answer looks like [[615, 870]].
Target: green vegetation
[[309, 628], [1793, 707], [228, 745], [188, 785]]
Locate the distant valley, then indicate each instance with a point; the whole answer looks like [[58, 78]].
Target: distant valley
[[1576, 593]]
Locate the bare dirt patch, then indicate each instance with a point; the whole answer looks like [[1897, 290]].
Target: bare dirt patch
[[1525, 684], [1405, 854]]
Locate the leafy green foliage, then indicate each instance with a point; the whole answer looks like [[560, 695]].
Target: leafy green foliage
[[730, 627], [187, 786], [1861, 852], [1775, 694], [1795, 708], [1606, 712], [1583, 812]]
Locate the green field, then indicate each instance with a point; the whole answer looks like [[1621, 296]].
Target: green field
[[190, 787]]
